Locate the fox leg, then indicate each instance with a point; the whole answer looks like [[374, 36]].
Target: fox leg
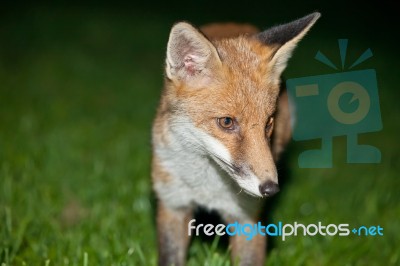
[[248, 252], [173, 237]]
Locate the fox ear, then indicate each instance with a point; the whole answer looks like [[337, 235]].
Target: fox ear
[[284, 39], [189, 53]]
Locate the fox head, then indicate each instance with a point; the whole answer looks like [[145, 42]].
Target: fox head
[[222, 96]]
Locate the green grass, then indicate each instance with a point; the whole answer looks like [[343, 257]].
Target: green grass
[[78, 93]]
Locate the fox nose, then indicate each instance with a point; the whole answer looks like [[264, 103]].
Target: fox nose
[[269, 188]]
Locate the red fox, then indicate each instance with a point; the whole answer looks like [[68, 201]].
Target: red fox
[[219, 129]]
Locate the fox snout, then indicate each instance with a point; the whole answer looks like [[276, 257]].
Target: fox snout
[[268, 181], [265, 185], [260, 169]]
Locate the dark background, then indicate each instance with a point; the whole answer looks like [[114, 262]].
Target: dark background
[[79, 85]]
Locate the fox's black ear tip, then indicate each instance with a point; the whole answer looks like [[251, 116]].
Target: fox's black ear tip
[[314, 16], [309, 19]]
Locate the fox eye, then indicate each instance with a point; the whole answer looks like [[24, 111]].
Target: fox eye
[[226, 123], [269, 126]]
